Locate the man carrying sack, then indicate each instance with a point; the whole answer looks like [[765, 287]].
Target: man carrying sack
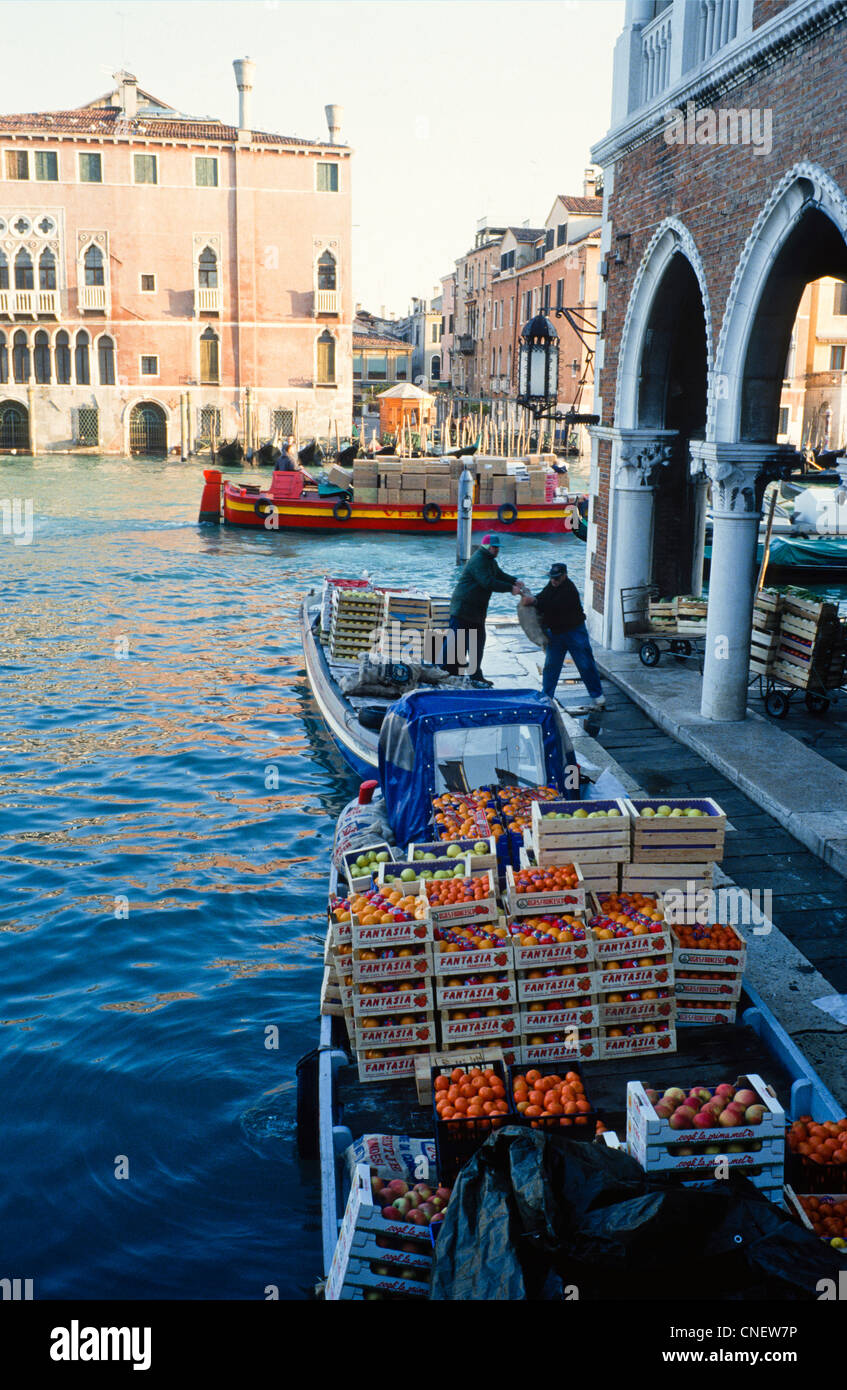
[[563, 622]]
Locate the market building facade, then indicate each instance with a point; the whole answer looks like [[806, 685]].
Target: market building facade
[[166, 280], [724, 196]]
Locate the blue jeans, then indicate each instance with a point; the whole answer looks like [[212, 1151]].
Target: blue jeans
[[575, 641]]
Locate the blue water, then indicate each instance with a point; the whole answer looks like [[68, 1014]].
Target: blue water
[[167, 803]]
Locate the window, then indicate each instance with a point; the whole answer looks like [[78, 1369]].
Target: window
[[144, 168], [561, 233], [482, 753], [205, 171], [90, 168], [282, 421], [452, 323], [106, 361], [783, 420], [836, 359], [209, 422], [560, 294], [507, 260], [24, 276], [148, 284], [4, 271], [549, 239], [435, 369], [357, 366], [327, 178], [582, 285], [93, 266], [47, 270], [839, 298], [401, 372], [546, 299], [149, 366], [210, 373], [88, 425], [17, 164], [207, 269], [493, 360], [20, 357], [378, 367], [83, 370], [326, 272], [42, 358], [63, 359], [511, 312], [47, 166]]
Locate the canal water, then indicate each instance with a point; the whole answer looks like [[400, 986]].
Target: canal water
[[167, 804]]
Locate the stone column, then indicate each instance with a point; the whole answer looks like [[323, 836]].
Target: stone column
[[700, 505], [638, 456], [738, 474]]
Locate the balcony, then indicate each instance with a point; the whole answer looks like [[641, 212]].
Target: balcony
[[29, 304], [207, 300], [93, 298], [656, 55], [465, 344], [326, 301]]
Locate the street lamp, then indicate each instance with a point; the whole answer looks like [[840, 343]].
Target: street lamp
[[538, 366]]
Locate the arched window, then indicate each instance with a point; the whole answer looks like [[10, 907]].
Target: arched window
[[63, 359], [106, 361], [47, 270], [42, 358], [435, 369], [4, 271], [326, 360], [207, 270], [24, 277], [4, 360], [210, 373], [93, 266], [326, 272], [20, 357], [83, 372]]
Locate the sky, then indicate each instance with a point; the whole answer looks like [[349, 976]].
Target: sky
[[456, 109]]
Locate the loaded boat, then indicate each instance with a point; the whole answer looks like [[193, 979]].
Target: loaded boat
[[425, 912]]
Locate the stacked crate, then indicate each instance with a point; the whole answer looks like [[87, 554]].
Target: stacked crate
[[810, 651], [356, 615], [635, 983], [365, 480], [439, 622], [557, 988], [757, 1151], [392, 1015], [691, 614], [405, 634], [389, 474], [670, 851], [437, 482], [471, 947], [764, 639], [338, 964], [599, 845], [707, 982], [367, 1244], [412, 482], [661, 614]]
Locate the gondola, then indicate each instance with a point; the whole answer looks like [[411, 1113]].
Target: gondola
[[310, 453], [346, 456], [268, 454], [230, 451], [465, 451]]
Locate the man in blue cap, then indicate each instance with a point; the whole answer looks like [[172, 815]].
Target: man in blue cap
[[480, 578], [563, 622]]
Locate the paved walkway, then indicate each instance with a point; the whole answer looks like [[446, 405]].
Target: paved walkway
[[796, 770]]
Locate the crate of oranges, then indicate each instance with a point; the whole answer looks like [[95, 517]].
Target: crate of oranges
[[531, 890], [469, 1104], [559, 1046], [550, 939], [825, 1213], [709, 946], [817, 1155], [455, 902], [709, 986], [555, 1102], [466, 950]]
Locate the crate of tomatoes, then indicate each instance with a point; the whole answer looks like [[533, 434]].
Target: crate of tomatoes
[[554, 1101], [531, 890], [458, 901], [469, 1103], [817, 1155]]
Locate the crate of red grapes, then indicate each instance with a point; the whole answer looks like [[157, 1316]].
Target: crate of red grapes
[[469, 1104], [817, 1155], [531, 890], [825, 1213], [554, 1101]]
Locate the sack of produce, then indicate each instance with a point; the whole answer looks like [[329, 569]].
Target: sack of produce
[[528, 619]]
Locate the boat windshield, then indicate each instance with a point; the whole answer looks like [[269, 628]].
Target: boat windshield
[[503, 754]]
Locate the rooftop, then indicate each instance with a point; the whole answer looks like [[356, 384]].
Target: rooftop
[[590, 206], [378, 340], [111, 121]]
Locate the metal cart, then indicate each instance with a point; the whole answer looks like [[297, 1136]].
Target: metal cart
[[655, 640], [777, 691]]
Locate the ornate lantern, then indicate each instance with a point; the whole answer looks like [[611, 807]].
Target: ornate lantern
[[538, 366]]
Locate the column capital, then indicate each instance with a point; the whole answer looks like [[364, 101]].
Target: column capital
[[640, 454], [739, 472]]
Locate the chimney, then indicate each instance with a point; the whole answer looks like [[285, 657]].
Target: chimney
[[244, 69], [333, 120], [589, 184], [127, 93]]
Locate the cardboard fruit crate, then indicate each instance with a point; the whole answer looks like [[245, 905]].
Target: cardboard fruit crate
[[659, 839], [452, 996], [459, 962], [656, 940], [362, 882], [339, 932], [583, 1015], [476, 862], [635, 1010], [569, 900], [637, 1044], [662, 878], [330, 995], [794, 1203], [412, 887], [392, 1037], [533, 986], [362, 1222], [582, 839], [464, 914], [540, 955], [648, 1136], [378, 935], [478, 1030], [405, 969], [732, 962], [619, 977], [700, 1017], [418, 1000], [581, 1045], [724, 989], [389, 1066]]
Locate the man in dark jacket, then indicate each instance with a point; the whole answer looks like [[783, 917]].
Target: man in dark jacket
[[563, 621], [480, 578]]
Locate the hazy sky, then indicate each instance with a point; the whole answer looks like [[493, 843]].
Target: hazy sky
[[456, 109]]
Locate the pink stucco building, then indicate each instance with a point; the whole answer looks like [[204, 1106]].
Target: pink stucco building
[[164, 276]]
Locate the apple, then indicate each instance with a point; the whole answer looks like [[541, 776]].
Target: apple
[[754, 1114], [424, 1191], [682, 1118], [453, 851], [417, 1218], [728, 1118], [704, 1120], [403, 1205], [663, 1110], [745, 1098], [383, 857], [674, 1095], [406, 875], [436, 1201], [443, 1193], [414, 1200], [663, 811], [725, 1090], [391, 1213], [652, 1096], [377, 1184], [428, 1210], [398, 1187]]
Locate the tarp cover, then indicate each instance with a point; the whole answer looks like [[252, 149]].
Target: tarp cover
[[537, 1217], [406, 760]]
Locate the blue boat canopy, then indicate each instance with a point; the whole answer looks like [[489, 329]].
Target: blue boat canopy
[[459, 740]]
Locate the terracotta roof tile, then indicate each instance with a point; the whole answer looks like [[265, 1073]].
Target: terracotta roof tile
[[378, 340], [583, 205], [111, 121]]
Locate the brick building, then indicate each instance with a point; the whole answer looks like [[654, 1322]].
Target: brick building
[[164, 276], [725, 172]]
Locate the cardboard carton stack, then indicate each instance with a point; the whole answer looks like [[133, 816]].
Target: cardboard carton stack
[[389, 472], [366, 480], [437, 481]]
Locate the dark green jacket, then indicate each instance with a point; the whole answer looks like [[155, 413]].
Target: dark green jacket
[[481, 577]]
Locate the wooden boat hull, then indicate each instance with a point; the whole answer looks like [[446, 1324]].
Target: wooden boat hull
[[358, 746], [313, 513]]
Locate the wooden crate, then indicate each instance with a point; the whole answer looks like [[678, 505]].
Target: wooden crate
[[586, 1014], [463, 914], [731, 961], [490, 1028], [580, 840], [412, 886], [569, 900], [405, 969], [636, 1010], [665, 839], [371, 1033], [476, 862], [331, 995], [687, 1017], [533, 987], [638, 1044], [583, 1043], [377, 935], [415, 1000], [503, 991]]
